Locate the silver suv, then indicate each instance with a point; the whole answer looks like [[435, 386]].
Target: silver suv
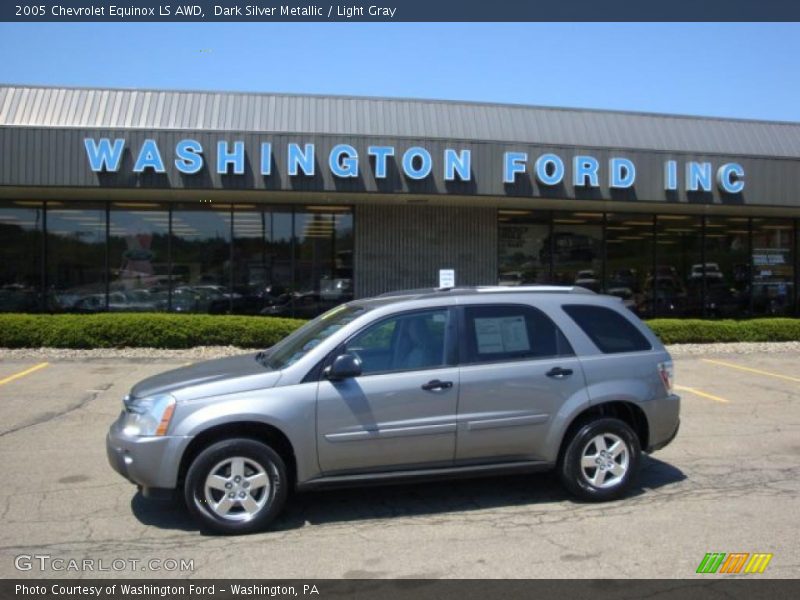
[[424, 383]]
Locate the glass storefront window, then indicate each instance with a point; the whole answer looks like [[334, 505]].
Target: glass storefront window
[[677, 285], [216, 258], [772, 266], [298, 261], [292, 263], [138, 257], [577, 249], [727, 272], [20, 256], [521, 254], [262, 258], [201, 258], [629, 260], [323, 259], [76, 258]]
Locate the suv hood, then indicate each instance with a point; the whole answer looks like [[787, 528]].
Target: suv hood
[[209, 378]]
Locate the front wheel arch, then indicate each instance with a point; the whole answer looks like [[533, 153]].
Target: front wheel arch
[[258, 432]]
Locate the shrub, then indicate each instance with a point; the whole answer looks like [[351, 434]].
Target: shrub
[[159, 330], [699, 331], [155, 330]]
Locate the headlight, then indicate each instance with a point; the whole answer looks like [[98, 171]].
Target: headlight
[[148, 416]]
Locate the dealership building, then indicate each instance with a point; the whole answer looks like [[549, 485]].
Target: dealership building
[[278, 204]]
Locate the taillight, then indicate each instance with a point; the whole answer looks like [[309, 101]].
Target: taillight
[[667, 373]]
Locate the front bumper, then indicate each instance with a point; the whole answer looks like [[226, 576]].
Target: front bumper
[[150, 462]]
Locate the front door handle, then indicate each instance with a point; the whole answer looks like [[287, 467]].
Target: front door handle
[[435, 384], [559, 373]]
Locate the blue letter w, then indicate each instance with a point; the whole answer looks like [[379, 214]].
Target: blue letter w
[[102, 156]]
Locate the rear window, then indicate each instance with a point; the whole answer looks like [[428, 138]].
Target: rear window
[[609, 330]]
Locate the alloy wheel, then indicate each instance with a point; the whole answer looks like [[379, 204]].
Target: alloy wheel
[[605, 460], [237, 488]]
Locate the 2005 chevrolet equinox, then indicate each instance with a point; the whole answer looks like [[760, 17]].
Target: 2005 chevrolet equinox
[[424, 383]]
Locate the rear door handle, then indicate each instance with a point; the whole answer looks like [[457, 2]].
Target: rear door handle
[[435, 384], [559, 373]]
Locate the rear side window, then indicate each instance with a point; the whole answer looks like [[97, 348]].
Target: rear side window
[[609, 330], [496, 333]]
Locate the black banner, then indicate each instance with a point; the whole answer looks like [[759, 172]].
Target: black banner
[[397, 11], [405, 589]]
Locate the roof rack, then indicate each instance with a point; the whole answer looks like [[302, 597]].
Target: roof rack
[[413, 292], [490, 289], [539, 288]]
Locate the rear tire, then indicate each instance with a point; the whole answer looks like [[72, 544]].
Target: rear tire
[[236, 486], [601, 460]]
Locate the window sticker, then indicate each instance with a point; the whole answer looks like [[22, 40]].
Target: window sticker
[[501, 334]]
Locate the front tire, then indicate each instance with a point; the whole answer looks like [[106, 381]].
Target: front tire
[[601, 460], [236, 486]]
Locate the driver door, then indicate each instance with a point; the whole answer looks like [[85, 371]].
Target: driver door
[[400, 413]]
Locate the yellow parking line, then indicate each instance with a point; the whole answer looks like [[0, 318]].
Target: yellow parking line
[[683, 388], [23, 373], [751, 370]]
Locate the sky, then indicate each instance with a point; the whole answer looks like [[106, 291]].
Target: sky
[[743, 70]]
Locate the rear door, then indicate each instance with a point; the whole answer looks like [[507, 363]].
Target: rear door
[[517, 371]]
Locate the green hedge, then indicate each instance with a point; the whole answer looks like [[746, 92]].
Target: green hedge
[[117, 330], [698, 331]]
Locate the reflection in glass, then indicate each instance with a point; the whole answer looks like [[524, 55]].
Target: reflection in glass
[[323, 259], [262, 258], [773, 266], [629, 256], [272, 260], [76, 254], [577, 249], [138, 257], [727, 269], [201, 258], [20, 256], [521, 255], [292, 263], [677, 285]]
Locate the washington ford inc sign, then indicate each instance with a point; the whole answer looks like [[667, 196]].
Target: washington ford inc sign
[[417, 163]]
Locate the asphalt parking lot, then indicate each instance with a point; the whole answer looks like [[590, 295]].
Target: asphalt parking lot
[[729, 483]]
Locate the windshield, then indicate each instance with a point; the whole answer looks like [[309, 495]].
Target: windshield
[[309, 336]]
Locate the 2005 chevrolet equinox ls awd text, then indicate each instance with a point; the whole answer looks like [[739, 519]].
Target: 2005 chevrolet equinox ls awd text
[[423, 383]]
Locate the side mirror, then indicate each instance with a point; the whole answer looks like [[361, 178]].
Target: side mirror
[[344, 366]]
